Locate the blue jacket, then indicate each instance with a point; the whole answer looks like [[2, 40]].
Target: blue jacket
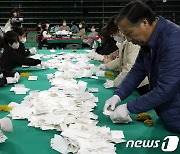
[[160, 61]]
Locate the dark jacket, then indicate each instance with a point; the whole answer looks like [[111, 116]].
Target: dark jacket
[[107, 47], [10, 59], [22, 50], [160, 61]]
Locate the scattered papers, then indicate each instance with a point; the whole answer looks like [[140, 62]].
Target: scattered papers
[[67, 107], [59, 144], [19, 89], [100, 73], [93, 90], [33, 78], [52, 50]]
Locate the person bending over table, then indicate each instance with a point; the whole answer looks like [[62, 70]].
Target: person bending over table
[[158, 59]]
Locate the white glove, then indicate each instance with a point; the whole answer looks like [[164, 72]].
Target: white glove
[[121, 114], [98, 57], [33, 50], [109, 84], [102, 66], [17, 76], [6, 125], [11, 80], [110, 104]]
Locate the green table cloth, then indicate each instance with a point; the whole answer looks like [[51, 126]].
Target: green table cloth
[[30, 140]]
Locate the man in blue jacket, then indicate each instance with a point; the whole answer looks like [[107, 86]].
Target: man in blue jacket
[[159, 59]]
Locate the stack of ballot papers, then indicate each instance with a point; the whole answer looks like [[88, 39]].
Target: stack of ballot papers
[[2, 137], [78, 65], [68, 108], [84, 139]]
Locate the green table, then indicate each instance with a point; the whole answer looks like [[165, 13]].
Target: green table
[[30, 140], [65, 40]]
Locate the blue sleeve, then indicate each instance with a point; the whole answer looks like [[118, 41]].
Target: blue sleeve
[[167, 84], [132, 80]]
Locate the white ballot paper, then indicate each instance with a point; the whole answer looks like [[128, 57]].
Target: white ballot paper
[[32, 78]]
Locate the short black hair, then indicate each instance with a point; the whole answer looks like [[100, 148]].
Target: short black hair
[[15, 10], [19, 30], [135, 11], [111, 26], [43, 26], [10, 37]]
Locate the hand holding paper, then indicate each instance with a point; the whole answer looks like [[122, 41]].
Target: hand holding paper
[[121, 114], [11, 80]]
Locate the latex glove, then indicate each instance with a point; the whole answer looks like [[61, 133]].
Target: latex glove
[[33, 50], [110, 104], [102, 67], [6, 125], [121, 114], [17, 75], [98, 57], [11, 80], [109, 84]]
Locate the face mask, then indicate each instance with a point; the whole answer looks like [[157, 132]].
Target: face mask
[[64, 24], [23, 40], [80, 26], [117, 38], [92, 30], [15, 45]]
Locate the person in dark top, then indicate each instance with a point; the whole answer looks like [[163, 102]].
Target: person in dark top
[[22, 39], [10, 58], [108, 44], [7, 77]]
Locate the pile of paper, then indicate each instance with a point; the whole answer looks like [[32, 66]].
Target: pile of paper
[[85, 139], [67, 107], [76, 64]]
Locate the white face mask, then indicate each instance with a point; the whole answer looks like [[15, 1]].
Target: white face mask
[[23, 40], [118, 39], [92, 30], [80, 26], [15, 45], [64, 24]]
